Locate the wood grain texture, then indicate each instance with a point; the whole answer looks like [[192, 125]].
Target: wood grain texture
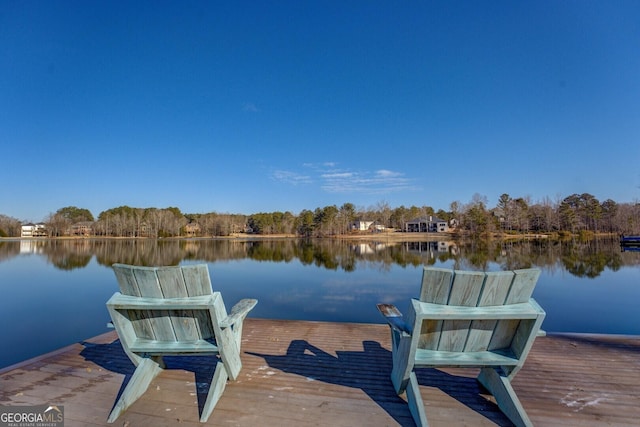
[[335, 374]]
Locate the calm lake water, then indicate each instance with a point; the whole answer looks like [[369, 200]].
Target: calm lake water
[[54, 292]]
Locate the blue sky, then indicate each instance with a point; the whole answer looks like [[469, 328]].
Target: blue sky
[[246, 107]]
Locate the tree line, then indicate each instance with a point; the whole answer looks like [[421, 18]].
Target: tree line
[[576, 213]]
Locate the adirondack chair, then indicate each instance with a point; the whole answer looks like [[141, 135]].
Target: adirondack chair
[[485, 320], [172, 311]]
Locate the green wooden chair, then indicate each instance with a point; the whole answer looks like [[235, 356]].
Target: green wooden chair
[[467, 319], [172, 311]]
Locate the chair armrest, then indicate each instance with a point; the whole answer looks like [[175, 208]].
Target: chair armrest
[[394, 317], [239, 312]]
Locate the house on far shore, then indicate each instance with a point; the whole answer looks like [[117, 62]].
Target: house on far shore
[[367, 226], [192, 229], [84, 228], [426, 225], [33, 230], [361, 225]]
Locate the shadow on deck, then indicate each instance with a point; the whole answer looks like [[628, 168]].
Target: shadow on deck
[[318, 373]]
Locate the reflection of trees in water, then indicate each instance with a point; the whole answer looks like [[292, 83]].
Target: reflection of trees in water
[[281, 252], [588, 259], [8, 250], [68, 254], [145, 252], [331, 254], [580, 258], [71, 261]]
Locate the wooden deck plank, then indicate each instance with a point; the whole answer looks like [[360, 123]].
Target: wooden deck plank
[[317, 373]]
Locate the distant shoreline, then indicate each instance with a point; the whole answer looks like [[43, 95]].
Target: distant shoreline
[[388, 236], [395, 236]]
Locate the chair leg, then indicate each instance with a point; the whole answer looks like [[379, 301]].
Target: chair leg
[[230, 353], [146, 371], [500, 387], [402, 362], [217, 386], [416, 405], [237, 332]]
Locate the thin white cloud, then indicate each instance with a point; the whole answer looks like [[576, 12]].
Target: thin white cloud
[[292, 178], [320, 167], [337, 175], [382, 181], [341, 180], [250, 107], [387, 173]]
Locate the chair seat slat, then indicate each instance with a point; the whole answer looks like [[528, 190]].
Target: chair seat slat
[[433, 358], [173, 347]]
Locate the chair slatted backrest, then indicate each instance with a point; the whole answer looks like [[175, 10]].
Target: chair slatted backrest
[[167, 282], [473, 289]]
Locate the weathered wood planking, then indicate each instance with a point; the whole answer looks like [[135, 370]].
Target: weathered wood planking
[[568, 380]]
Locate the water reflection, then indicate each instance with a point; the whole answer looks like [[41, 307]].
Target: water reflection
[[579, 258], [58, 288]]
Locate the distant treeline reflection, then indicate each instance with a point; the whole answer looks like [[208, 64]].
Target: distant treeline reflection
[[580, 258]]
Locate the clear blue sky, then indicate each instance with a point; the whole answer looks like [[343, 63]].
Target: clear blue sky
[[246, 107]]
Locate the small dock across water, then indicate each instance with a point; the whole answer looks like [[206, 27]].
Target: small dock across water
[[299, 373]]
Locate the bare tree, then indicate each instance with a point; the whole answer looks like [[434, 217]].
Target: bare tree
[[9, 227]]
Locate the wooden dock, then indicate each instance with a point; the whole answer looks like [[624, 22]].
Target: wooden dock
[[333, 374]]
